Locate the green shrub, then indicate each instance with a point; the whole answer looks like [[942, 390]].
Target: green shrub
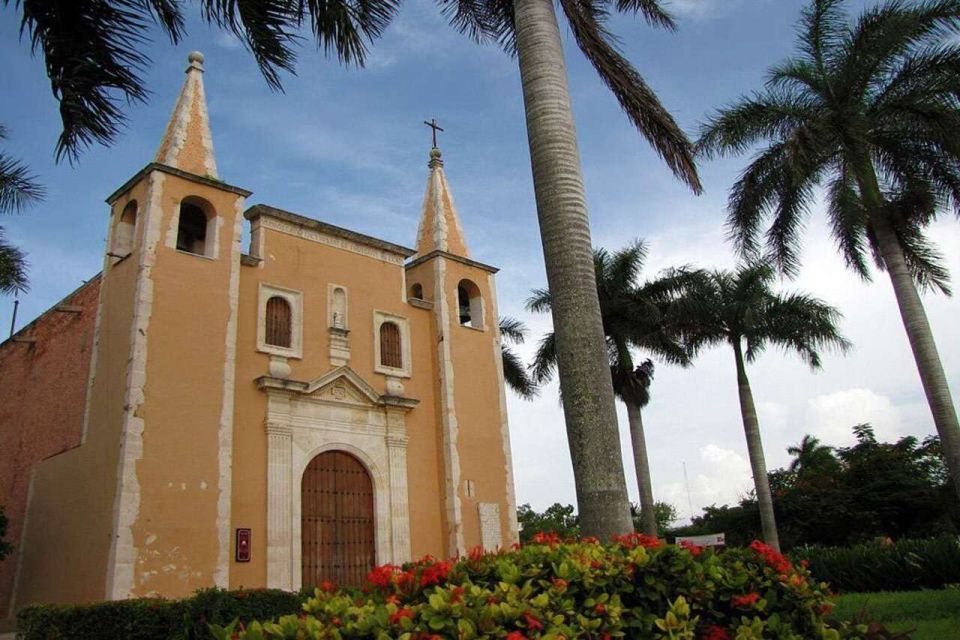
[[638, 587], [155, 619], [900, 566]]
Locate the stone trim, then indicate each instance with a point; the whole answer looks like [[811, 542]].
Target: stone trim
[[337, 411], [448, 414], [328, 234], [451, 256], [379, 318], [122, 557], [180, 173], [294, 298], [513, 527]]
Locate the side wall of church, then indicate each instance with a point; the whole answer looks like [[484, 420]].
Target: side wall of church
[[41, 405], [70, 516], [308, 268]]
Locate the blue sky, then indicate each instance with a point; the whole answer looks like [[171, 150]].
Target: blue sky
[[349, 147]]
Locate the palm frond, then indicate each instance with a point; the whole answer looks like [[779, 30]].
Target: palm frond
[[516, 376], [347, 27], [848, 218], [636, 98], [18, 186], [539, 301], [735, 129], [13, 267], [512, 330], [652, 11], [545, 359]]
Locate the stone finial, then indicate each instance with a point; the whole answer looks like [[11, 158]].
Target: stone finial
[[195, 58], [435, 160]]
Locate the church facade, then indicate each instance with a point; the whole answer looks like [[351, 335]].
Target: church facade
[[301, 411]]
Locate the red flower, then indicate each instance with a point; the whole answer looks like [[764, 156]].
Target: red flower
[[382, 576], [328, 586], [559, 584], [546, 538], [393, 599], [825, 608], [434, 574], [532, 623], [335, 621], [600, 609], [633, 540], [516, 547], [590, 540], [694, 549], [713, 632], [400, 614], [516, 635], [477, 553], [771, 557], [745, 601], [457, 594]]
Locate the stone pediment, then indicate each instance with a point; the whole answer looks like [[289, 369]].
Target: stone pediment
[[342, 385]]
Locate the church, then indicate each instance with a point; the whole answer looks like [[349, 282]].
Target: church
[[203, 415]]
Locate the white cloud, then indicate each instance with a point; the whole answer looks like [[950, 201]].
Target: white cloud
[[831, 416]]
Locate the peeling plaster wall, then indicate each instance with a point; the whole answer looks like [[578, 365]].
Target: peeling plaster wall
[[41, 405], [70, 515], [172, 519]]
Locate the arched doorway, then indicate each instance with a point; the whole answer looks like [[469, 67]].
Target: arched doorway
[[337, 521]]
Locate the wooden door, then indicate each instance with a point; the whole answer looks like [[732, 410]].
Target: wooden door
[[337, 525]]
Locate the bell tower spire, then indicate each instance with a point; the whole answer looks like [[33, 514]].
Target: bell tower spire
[[439, 228], [187, 144]]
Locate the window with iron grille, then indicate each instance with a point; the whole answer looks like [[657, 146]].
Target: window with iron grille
[[390, 351], [278, 322]]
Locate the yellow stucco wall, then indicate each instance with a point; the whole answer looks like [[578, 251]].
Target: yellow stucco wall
[[71, 507]]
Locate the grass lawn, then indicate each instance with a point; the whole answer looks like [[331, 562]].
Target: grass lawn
[[934, 614]]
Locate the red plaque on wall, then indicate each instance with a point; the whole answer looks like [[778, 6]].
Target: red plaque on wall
[[243, 545]]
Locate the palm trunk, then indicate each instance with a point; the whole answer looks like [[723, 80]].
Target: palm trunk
[[588, 403], [914, 319], [648, 514], [924, 348], [751, 428]]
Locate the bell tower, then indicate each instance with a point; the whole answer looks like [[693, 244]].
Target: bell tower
[[480, 507]]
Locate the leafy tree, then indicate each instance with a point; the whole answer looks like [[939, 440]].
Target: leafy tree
[[811, 457], [558, 518], [665, 513], [18, 188], [90, 48], [634, 316], [512, 331], [869, 110], [877, 489], [741, 310]]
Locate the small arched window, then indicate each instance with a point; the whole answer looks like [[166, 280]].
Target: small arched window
[[470, 304], [192, 229], [123, 232], [391, 354], [278, 322], [416, 291]]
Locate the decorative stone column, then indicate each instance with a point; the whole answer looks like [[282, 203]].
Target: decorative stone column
[[399, 501], [279, 493]]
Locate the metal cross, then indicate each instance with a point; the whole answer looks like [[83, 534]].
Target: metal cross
[[433, 125]]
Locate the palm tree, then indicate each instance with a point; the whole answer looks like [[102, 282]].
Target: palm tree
[[740, 309], [634, 316], [869, 110], [515, 375], [91, 50], [18, 188], [809, 456]]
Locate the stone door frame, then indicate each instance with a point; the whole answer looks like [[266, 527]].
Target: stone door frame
[[338, 411]]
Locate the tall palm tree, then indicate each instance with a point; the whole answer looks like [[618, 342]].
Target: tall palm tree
[[871, 110], [739, 309], [515, 375], [634, 316], [91, 49]]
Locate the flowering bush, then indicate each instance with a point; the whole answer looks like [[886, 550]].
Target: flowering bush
[[638, 587]]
